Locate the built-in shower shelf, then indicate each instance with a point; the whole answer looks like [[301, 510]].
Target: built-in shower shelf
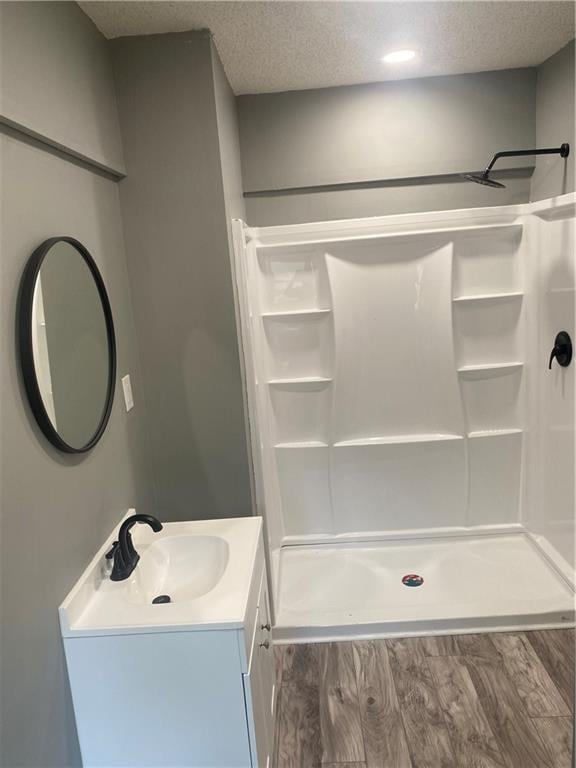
[[295, 313], [303, 444], [308, 382], [493, 433], [490, 369], [396, 439], [487, 297]]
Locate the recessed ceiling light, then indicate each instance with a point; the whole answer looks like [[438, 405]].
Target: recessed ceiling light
[[395, 57]]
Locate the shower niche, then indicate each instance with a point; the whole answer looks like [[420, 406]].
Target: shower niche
[[387, 364]]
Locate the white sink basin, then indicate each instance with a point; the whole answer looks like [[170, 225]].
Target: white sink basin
[[204, 566], [182, 567]]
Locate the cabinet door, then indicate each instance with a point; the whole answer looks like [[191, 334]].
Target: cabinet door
[[259, 688], [268, 666]]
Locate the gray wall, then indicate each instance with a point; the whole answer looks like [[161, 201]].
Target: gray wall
[[57, 85], [229, 140], [555, 89], [181, 186], [54, 510], [231, 170], [434, 127]]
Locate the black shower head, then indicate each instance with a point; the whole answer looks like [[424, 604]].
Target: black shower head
[[483, 179]]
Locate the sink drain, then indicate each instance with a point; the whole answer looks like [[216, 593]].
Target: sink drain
[[161, 599], [412, 580]]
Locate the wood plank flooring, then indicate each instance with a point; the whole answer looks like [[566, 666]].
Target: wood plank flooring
[[501, 700]]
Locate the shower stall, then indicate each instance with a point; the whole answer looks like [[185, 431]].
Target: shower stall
[[413, 452]]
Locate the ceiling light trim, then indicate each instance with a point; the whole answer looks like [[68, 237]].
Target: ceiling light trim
[[400, 56]]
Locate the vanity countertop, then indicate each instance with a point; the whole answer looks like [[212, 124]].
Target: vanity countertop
[[205, 566]]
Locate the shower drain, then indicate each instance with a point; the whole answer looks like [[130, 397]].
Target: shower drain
[[412, 580]]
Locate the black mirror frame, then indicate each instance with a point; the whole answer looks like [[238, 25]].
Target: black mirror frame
[[24, 343]]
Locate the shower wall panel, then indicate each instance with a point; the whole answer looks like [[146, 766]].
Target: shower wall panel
[[305, 494], [398, 485], [395, 402], [388, 361], [551, 497], [394, 372], [495, 475]]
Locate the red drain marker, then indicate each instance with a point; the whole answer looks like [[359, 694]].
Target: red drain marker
[[412, 580]]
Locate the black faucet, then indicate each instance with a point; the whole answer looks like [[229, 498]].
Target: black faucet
[[125, 556]]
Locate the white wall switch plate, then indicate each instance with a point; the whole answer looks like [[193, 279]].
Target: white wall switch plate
[[127, 388]]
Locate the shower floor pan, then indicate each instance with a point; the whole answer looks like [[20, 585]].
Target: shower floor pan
[[471, 584]]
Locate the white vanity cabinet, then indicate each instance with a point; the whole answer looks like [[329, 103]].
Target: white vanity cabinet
[[196, 696], [259, 685]]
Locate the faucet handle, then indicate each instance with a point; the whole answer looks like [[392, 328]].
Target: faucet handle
[[562, 350], [109, 555]]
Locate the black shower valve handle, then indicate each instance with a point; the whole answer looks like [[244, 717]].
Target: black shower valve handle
[[562, 350], [552, 356]]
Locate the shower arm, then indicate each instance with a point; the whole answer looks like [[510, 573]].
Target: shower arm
[[562, 150]]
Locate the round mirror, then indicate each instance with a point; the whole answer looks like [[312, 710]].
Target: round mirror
[[67, 346]]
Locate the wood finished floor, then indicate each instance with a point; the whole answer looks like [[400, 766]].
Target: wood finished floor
[[501, 700]]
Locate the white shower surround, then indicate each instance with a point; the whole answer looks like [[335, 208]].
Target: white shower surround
[[398, 391]]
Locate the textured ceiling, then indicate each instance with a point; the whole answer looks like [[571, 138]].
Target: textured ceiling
[[277, 46]]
